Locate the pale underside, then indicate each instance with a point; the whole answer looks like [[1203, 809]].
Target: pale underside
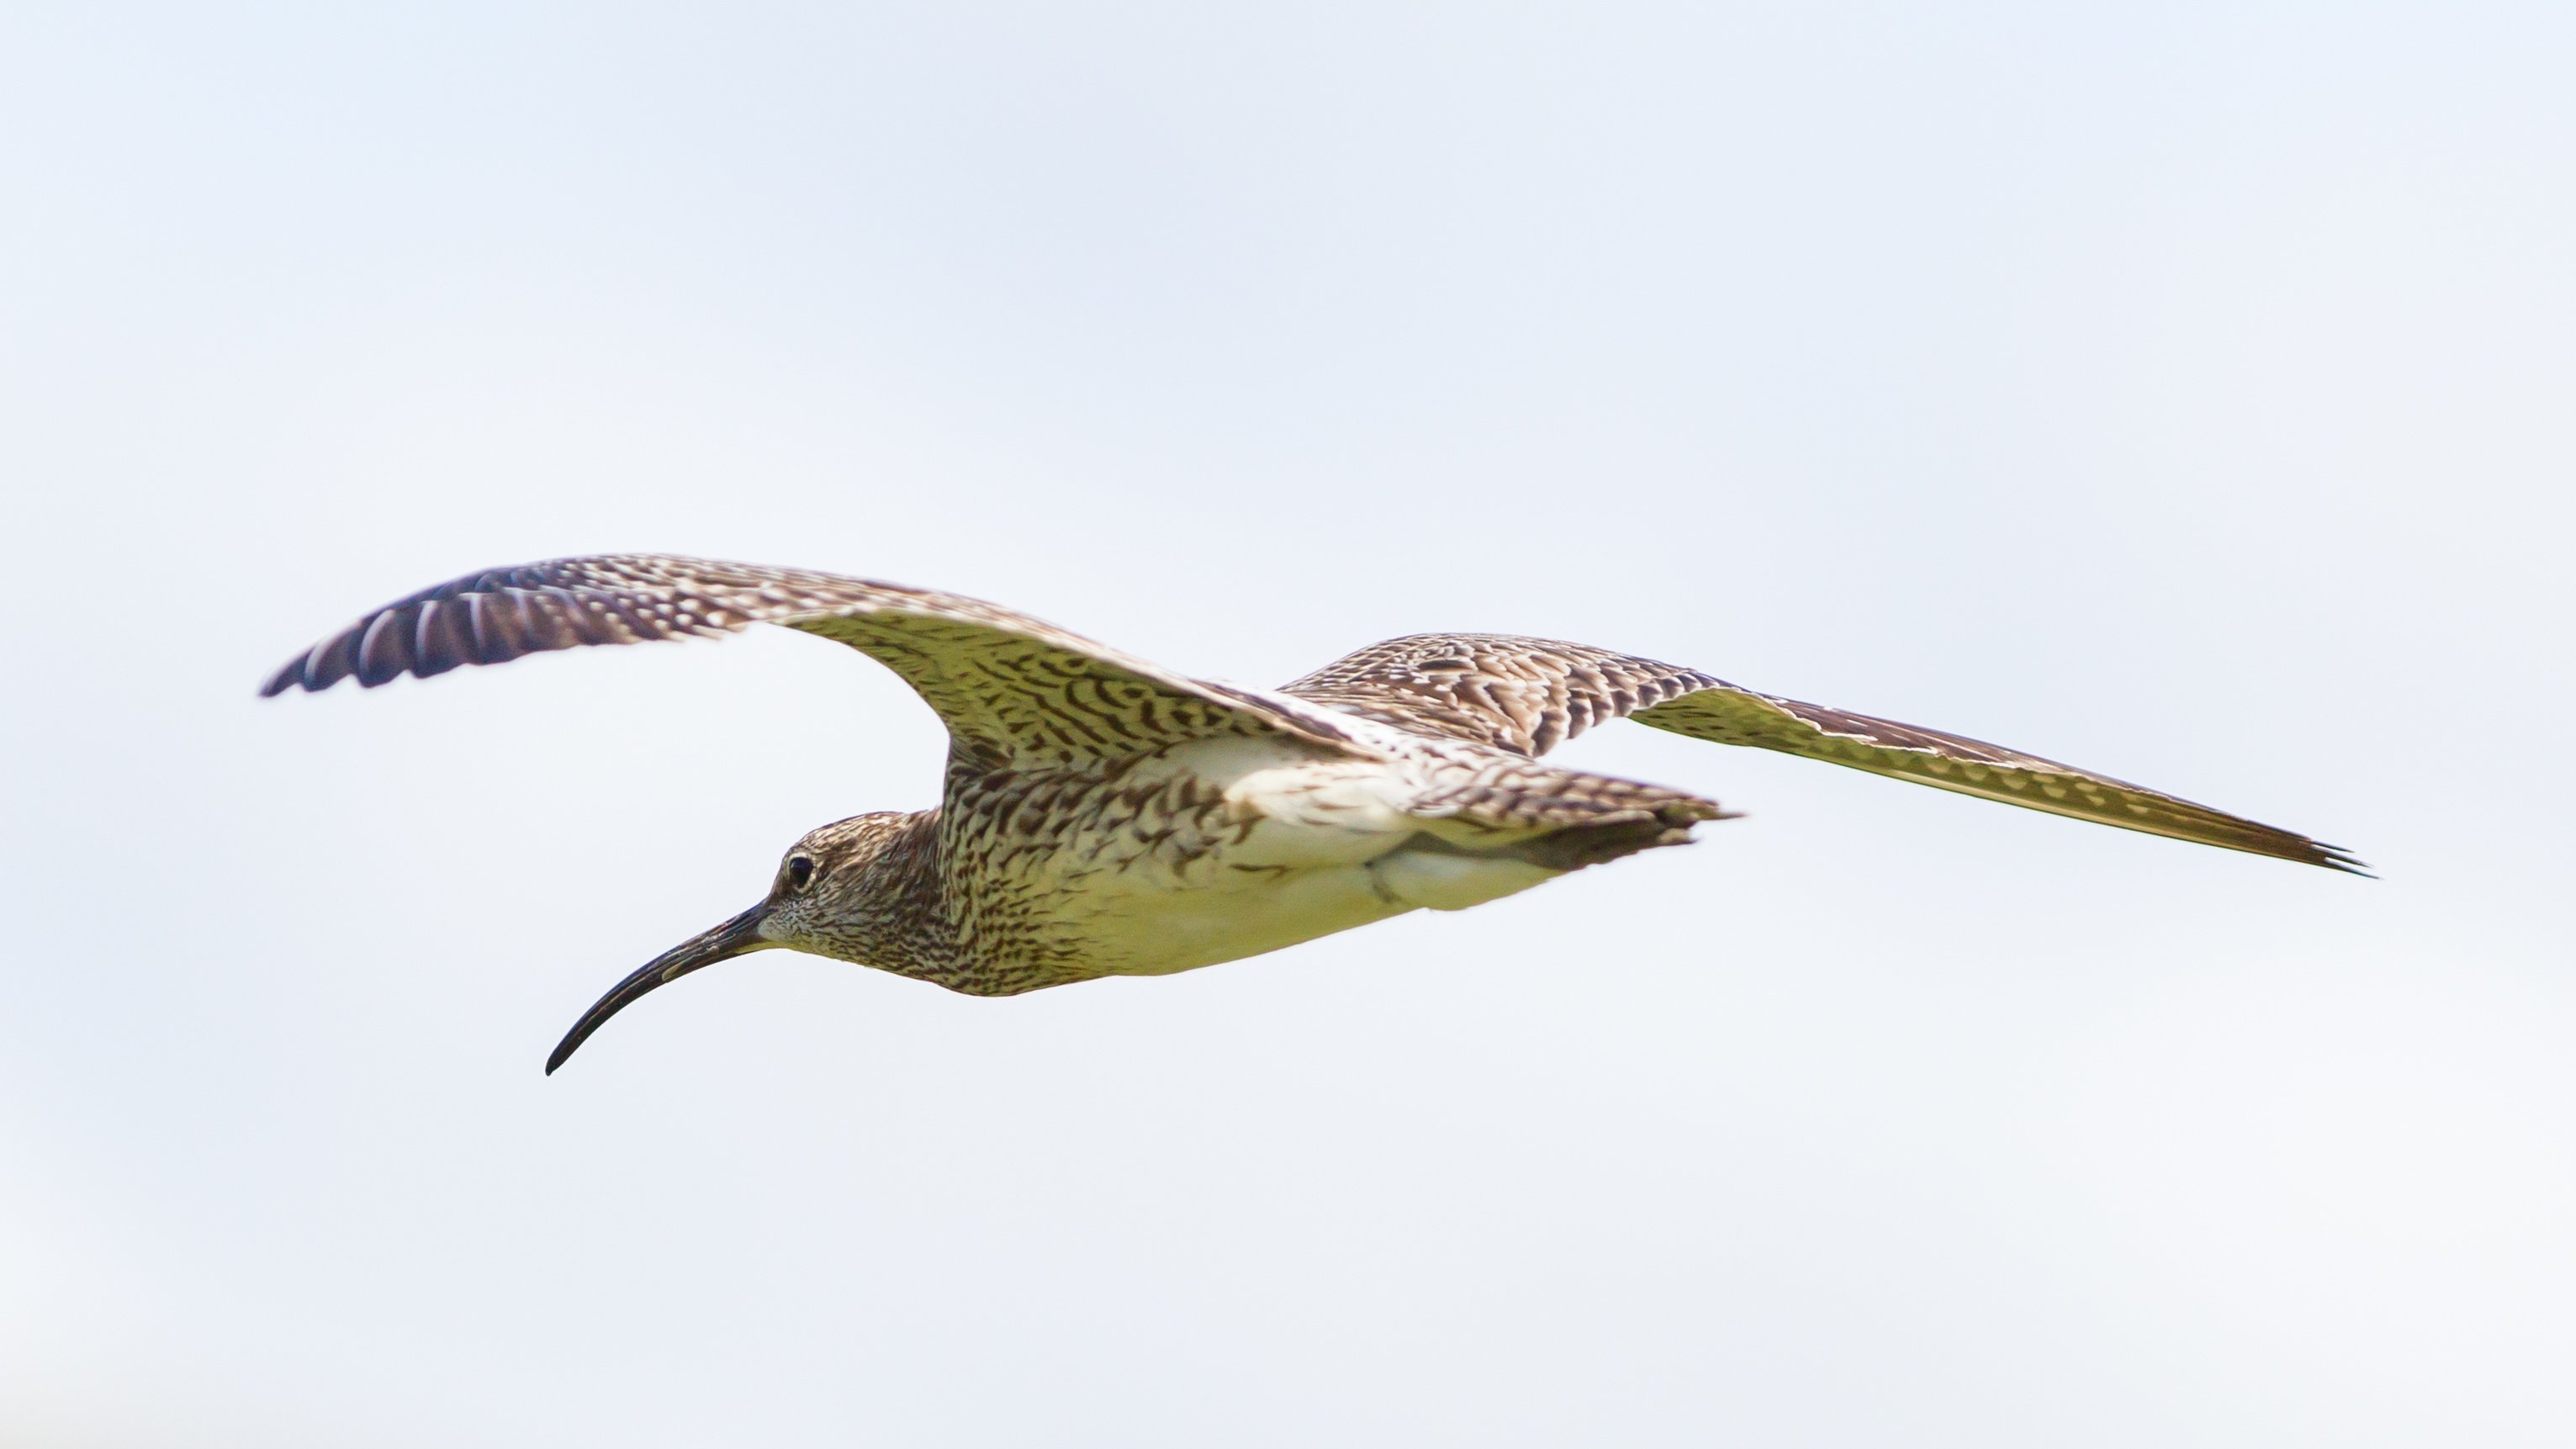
[[1103, 815], [1234, 847]]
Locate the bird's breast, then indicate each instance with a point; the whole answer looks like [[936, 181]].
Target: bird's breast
[[1207, 852]]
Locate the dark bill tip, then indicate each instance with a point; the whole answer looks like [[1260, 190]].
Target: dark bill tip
[[733, 938]]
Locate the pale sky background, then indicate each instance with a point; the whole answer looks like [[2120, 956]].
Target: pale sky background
[[2187, 391]]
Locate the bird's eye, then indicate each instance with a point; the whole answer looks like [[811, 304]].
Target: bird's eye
[[800, 872]]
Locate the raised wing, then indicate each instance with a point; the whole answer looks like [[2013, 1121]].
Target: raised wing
[[1528, 695], [1014, 691]]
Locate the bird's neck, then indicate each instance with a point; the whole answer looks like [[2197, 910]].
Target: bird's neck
[[904, 926]]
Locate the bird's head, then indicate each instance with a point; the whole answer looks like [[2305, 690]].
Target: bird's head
[[833, 895]]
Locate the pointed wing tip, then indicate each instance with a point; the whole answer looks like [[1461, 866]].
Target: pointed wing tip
[[2336, 858], [296, 673], [302, 673]]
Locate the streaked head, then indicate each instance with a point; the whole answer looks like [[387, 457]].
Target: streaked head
[[827, 898]]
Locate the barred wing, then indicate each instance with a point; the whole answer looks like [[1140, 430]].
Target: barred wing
[[1528, 695], [1013, 691], [1523, 695]]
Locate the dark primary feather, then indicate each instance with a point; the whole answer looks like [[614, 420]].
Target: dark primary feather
[[1529, 695]]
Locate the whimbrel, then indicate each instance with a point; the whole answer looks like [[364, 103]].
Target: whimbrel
[[1103, 816]]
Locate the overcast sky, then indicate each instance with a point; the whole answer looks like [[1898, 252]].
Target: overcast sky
[[2187, 391]]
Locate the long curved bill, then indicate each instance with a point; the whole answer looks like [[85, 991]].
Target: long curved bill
[[733, 938]]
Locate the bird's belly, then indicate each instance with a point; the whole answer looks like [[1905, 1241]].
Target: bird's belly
[[1154, 932], [1211, 852]]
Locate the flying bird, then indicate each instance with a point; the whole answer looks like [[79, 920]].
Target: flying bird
[[1104, 816]]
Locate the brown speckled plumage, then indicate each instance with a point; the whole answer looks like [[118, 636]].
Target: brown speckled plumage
[[1102, 815], [1530, 695]]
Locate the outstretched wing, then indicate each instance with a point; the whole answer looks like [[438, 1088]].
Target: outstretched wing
[[1529, 695], [1013, 691]]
